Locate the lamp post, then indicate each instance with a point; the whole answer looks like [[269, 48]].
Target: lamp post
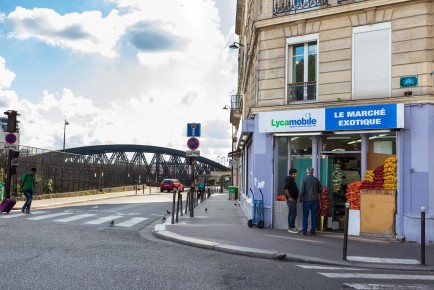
[[64, 133]]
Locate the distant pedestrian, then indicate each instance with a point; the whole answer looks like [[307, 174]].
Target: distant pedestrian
[[27, 183], [309, 195], [291, 192]]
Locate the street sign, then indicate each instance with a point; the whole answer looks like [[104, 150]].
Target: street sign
[[193, 130], [193, 143], [11, 140], [192, 153], [232, 162]]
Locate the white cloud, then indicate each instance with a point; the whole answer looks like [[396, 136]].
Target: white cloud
[[86, 32], [147, 98], [6, 76]]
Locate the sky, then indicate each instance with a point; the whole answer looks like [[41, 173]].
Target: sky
[[119, 71]]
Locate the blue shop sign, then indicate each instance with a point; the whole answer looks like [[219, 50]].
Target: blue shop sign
[[384, 116]]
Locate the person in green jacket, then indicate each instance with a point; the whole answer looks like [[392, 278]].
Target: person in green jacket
[[27, 183]]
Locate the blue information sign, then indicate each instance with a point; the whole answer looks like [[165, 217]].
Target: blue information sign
[[193, 130], [362, 117]]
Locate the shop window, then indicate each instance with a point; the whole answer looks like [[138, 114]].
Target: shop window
[[302, 68], [340, 143], [382, 143]]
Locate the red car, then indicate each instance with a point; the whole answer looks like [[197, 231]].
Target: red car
[[171, 184]]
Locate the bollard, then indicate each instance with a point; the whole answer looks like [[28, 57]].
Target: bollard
[[173, 206], [347, 217], [422, 235], [149, 188], [177, 206], [209, 192], [187, 200], [180, 196], [143, 188], [137, 185]]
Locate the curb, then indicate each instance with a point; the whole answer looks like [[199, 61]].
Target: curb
[[161, 232]]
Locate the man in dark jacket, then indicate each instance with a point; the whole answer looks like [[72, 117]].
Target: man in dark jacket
[[291, 192], [309, 195]]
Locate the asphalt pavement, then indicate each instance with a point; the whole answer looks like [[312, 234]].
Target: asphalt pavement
[[219, 224]]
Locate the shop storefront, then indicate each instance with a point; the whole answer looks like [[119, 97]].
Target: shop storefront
[[347, 147]]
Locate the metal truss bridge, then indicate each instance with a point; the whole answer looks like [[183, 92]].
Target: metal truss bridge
[[107, 166], [149, 163]]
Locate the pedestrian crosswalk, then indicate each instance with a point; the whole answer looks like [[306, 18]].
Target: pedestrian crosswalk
[[79, 217], [391, 280]]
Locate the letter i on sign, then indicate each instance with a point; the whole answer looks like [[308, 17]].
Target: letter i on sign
[[193, 130]]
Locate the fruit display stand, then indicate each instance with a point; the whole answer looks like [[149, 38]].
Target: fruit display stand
[[377, 212]]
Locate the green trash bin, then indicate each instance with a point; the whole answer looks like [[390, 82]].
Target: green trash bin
[[233, 192], [2, 191]]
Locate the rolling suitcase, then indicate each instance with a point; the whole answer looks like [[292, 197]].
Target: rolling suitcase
[[7, 205]]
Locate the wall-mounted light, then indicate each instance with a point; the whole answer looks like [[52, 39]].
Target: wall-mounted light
[[226, 107], [236, 45]]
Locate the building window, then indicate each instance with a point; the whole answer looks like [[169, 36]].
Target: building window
[[372, 61], [303, 69]]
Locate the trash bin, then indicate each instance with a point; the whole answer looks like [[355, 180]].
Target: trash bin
[[2, 191], [233, 192]]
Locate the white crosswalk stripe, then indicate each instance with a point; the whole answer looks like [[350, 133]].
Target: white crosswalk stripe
[[13, 215], [353, 273], [75, 217], [46, 216], [69, 216], [378, 276], [103, 220], [361, 286], [131, 222]]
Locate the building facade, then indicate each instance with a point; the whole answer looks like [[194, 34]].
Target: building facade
[[345, 87]]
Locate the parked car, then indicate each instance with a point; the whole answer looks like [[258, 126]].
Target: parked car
[[171, 184]]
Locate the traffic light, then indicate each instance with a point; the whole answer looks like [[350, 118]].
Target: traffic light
[[12, 121]]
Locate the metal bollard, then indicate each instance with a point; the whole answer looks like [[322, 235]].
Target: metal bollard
[[173, 206], [180, 197], [422, 235], [187, 200], [143, 187], [177, 206], [347, 217]]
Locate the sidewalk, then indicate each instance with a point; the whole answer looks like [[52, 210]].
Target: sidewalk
[[222, 227]]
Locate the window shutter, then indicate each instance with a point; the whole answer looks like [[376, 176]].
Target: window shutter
[[371, 64]]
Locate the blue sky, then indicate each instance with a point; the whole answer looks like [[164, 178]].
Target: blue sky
[[140, 69]]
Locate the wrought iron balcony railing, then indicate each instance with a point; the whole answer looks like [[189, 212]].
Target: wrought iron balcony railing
[[301, 92], [295, 6]]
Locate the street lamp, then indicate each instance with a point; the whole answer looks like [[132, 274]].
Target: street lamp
[[64, 133], [235, 45]]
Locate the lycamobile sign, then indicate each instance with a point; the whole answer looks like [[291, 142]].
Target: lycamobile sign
[[306, 121], [291, 121]]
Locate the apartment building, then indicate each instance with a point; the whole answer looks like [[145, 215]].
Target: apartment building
[[344, 87]]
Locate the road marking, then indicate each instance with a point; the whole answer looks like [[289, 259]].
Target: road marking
[[75, 217], [329, 268], [103, 220], [12, 215], [385, 286], [131, 222], [48, 216], [377, 276], [383, 260]]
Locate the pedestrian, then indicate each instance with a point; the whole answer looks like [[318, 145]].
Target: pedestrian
[[309, 195], [291, 192], [27, 183]]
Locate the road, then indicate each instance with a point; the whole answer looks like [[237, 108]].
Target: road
[[75, 247]]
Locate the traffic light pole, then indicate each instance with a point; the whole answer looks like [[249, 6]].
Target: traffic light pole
[[12, 128], [8, 176]]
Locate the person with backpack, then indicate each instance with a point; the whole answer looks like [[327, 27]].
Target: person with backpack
[[27, 183]]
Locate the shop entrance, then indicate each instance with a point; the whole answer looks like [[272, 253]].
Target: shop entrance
[[339, 166]]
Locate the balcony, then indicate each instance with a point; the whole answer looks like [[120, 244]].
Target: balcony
[[296, 6], [301, 92]]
